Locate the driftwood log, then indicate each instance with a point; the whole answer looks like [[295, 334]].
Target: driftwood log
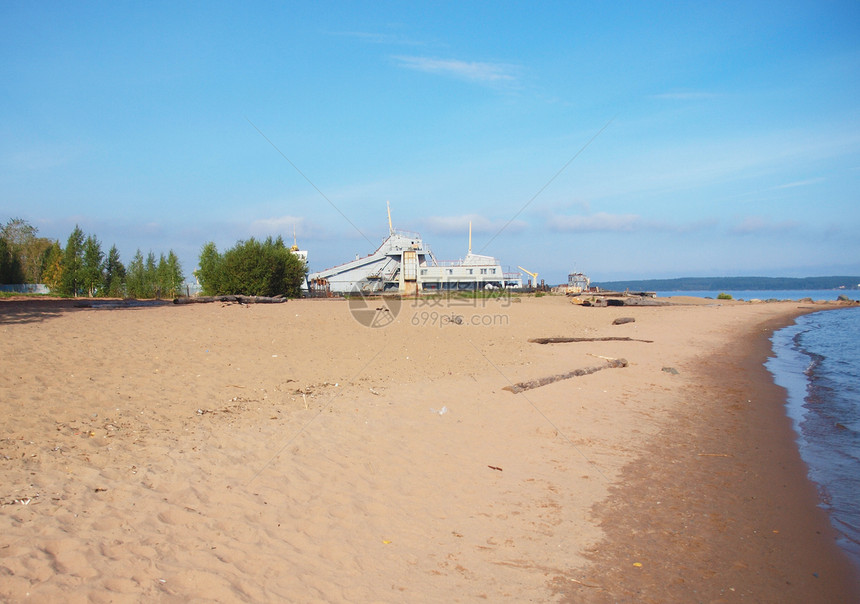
[[625, 301], [238, 299], [523, 386], [606, 339]]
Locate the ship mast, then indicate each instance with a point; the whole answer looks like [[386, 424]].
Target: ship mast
[[470, 237]]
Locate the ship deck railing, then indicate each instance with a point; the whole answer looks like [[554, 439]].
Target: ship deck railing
[[456, 263], [410, 234]]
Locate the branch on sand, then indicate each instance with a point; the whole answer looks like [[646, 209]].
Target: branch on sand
[[566, 340], [523, 386], [239, 299]]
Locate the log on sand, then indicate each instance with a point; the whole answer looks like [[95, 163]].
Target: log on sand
[[523, 386], [238, 299], [606, 339]]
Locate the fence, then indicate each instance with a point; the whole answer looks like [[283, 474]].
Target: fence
[[26, 288]]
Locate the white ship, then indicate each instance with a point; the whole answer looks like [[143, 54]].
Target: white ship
[[404, 264]]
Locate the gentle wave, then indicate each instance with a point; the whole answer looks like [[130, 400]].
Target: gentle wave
[[816, 361]]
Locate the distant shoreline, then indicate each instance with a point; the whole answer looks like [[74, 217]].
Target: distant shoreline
[[716, 284]]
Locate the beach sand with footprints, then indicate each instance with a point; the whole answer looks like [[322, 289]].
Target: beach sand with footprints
[[289, 452]]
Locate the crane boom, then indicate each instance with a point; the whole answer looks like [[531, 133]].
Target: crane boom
[[533, 275]]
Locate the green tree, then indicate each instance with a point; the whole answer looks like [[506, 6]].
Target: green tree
[[136, 277], [209, 273], [17, 231], [10, 265], [73, 262], [169, 275], [52, 267], [91, 268], [15, 235], [114, 274], [162, 279], [26, 249], [256, 268], [150, 279], [151, 276]]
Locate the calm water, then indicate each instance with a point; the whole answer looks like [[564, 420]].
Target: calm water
[[817, 360], [779, 294]]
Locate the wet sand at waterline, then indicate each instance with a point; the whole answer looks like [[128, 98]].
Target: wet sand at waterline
[[286, 452]]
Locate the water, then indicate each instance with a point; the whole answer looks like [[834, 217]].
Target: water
[[817, 360], [776, 294]]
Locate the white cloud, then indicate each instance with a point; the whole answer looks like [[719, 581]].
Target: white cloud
[[459, 225], [599, 222], [474, 71], [36, 158], [603, 222], [277, 225], [800, 183], [757, 224]]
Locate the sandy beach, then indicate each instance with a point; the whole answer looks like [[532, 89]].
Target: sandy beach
[[287, 452]]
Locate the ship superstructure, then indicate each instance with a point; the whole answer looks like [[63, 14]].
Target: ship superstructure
[[578, 283], [404, 264], [302, 255]]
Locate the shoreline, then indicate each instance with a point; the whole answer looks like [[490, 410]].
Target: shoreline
[[743, 484]]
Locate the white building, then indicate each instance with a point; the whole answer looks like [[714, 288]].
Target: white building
[[403, 264]]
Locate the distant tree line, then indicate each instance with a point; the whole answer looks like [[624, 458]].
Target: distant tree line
[[22, 254], [251, 268], [734, 283], [81, 268]]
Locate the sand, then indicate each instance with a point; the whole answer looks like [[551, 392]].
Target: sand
[[224, 452]]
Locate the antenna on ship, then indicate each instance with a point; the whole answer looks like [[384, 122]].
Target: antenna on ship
[[470, 236]]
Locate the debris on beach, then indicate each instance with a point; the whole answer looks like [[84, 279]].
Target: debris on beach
[[605, 339], [604, 299], [236, 299], [537, 383]]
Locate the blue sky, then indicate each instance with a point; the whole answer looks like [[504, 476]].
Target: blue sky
[[628, 140]]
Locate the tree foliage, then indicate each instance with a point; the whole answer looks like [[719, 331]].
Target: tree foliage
[[52, 267], [209, 273], [169, 273], [137, 283], [91, 268], [22, 253], [72, 280], [113, 275], [252, 268], [10, 264], [151, 279], [82, 267]]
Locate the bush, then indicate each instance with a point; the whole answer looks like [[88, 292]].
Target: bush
[[251, 268], [724, 296]]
